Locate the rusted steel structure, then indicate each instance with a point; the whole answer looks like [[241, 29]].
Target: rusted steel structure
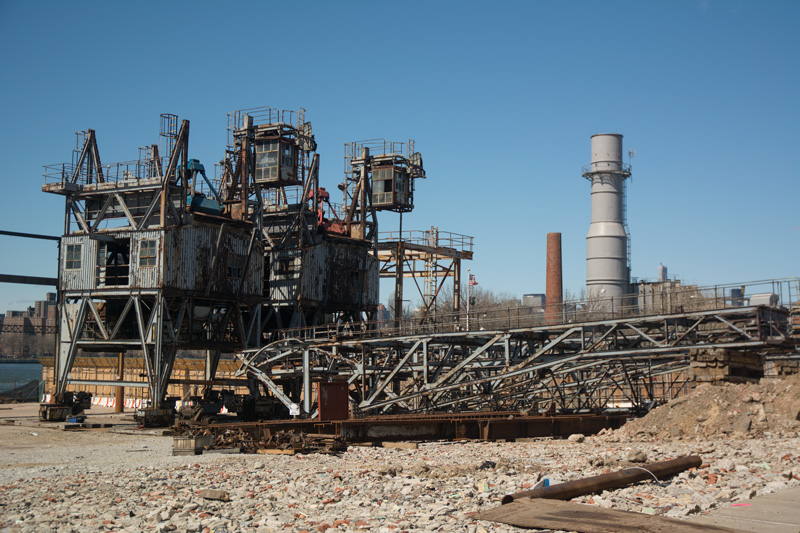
[[477, 425], [315, 269], [142, 268], [435, 256], [156, 256], [380, 175], [566, 368]]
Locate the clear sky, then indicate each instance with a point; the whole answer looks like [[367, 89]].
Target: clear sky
[[501, 98]]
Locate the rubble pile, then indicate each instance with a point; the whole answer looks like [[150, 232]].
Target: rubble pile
[[740, 410], [52, 480], [106, 482]]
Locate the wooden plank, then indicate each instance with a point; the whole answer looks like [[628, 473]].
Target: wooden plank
[[555, 514], [401, 445], [276, 452]]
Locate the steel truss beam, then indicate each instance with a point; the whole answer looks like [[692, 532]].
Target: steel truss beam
[[566, 368], [153, 323]]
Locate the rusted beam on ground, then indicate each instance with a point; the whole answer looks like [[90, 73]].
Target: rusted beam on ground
[[614, 480]]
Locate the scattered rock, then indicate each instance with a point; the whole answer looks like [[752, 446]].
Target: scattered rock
[[378, 489], [419, 468], [214, 494], [742, 425], [637, 456]]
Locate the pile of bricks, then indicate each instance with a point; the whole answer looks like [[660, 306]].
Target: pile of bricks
[[710, 365], [781, 368]]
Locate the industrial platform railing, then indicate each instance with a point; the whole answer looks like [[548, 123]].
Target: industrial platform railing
[[680, 300], [433, 237], [112, 172]]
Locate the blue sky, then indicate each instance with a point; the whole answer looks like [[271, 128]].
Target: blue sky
[[501, 98]]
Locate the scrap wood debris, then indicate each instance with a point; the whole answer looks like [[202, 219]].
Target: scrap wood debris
[[258, 440]]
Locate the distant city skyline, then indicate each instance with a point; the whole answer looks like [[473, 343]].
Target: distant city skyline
[[49, 297]]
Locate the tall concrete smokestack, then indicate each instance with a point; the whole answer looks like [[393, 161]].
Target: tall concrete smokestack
[[607, 261], [554, 297]]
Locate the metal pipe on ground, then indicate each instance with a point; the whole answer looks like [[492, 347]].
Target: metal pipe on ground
[[554, 292], [614, 480]]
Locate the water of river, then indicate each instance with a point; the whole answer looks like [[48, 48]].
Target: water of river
[[15, 374]]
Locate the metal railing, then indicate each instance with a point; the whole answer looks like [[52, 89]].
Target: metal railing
[[123, 171], [264, 115], [433, 237], [681, 299], [377, 147], [624, 168]]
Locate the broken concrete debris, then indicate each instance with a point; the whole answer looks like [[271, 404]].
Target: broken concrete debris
[[214, 494]]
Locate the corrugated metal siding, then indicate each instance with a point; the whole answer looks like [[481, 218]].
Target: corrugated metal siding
[[146, 277], [189, 253], [183, 261], [341, 276], [84, 278], [283, 287], [372, 298], [314, 264]]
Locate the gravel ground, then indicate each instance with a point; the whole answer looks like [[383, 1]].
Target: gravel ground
[[52, 480]]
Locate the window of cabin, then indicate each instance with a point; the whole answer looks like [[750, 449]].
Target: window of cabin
[[285, 267], [113, 262], [382, 186], [236, 266], [267, 160], [148, 251], [73, 259]]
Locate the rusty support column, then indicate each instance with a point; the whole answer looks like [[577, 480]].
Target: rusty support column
[[554, 297], [119, 396], [364, 178], [245, 168], [457, 290], [398, 284]]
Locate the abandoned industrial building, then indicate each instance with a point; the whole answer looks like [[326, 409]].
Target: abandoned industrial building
[[255, 264]]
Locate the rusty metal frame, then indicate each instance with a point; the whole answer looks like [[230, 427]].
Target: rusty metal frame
[[162, 327], [155, 321], [563, 368], [163, 194], [402, 256]]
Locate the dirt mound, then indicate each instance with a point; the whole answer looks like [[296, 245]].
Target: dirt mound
[[717, 411]]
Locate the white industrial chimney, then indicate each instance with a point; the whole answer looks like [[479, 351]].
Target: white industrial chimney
[[607, 252]]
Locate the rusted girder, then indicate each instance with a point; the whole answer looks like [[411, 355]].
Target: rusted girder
[[614, 480]]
